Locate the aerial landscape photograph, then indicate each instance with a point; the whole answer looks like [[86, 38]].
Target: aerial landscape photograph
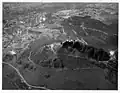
[[59, 46]]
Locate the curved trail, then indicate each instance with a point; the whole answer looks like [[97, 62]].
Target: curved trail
[[30, 86]]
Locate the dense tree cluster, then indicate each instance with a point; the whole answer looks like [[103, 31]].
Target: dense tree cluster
[[54, 63], [90, 51], [8, 57]]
